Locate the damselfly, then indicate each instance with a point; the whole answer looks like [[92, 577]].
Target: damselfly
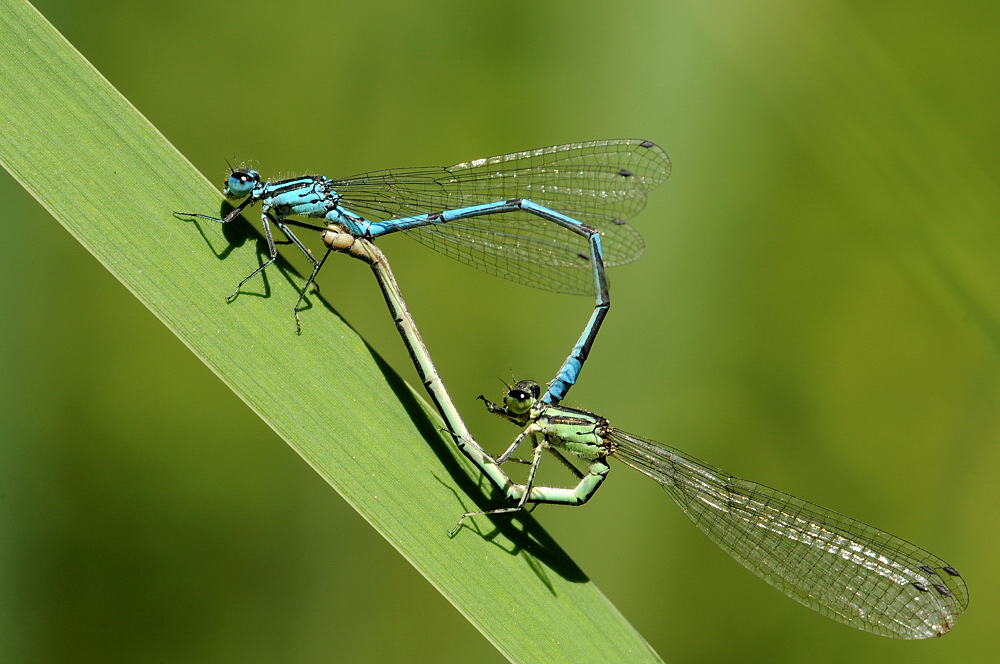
[[843, 568], [551, 218]]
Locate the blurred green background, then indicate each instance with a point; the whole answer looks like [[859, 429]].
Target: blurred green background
[[816, 310]]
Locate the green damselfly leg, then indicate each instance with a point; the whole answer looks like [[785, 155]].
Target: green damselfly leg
[[844, 569]]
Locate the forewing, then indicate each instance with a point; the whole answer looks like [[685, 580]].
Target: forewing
[[600, 183], [843, 568], [506, 246]]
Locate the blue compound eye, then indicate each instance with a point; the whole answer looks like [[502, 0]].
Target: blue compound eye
[[241, 183]]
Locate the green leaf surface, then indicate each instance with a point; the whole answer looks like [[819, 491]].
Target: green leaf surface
[[99, 167]]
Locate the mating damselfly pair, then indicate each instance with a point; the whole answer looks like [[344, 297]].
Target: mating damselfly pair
[[553, 218]]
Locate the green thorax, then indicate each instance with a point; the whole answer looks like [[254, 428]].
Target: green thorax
[[578, 432]]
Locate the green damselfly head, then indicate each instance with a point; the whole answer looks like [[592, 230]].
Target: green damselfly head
[[241, 183], [521, 395]]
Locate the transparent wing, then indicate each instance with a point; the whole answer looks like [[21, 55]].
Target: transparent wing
[[517, 247], [600, 183], [843, 568]]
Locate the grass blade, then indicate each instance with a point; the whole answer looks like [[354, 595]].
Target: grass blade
[[98, 166]]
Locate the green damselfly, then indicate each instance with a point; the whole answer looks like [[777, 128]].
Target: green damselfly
[[845, 569]]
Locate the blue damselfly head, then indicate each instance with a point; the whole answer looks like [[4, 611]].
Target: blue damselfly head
[[241, 183]]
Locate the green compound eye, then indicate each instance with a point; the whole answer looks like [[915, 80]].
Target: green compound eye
[[520, 397], [517, 401]]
